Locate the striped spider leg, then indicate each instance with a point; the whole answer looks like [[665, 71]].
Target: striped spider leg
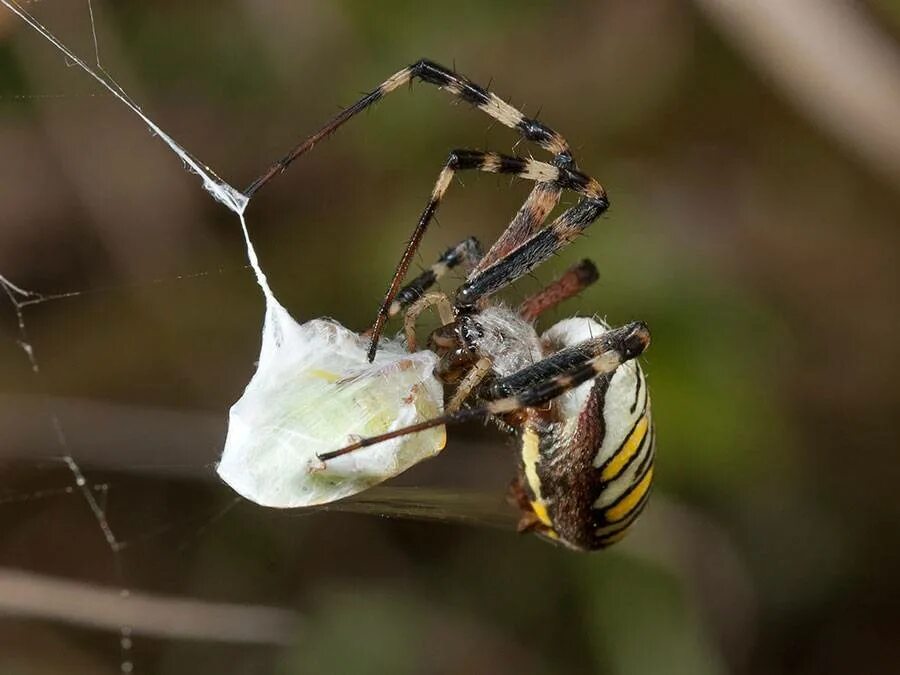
[[513, 264], [530, 253], [466, 253], [519, 260], [444, 78], [543, 197]]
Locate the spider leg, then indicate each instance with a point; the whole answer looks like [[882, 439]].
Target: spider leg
[[548, 378], [466, 253], [443, 78], [490, 162], [541, 245], [468, 384], [537, 384], [528, 220], [539, 203], [571, 283], [445, 311]]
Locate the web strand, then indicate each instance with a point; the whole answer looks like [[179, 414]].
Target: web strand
[[20, 298], [218, 188], [17, 297]]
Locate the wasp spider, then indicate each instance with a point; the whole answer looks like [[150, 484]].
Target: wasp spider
[[574, 397]]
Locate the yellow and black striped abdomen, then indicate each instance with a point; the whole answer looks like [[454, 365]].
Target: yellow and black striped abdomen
[[589, 468], [625, 459]]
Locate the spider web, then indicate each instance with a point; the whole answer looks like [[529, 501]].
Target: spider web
[[21, 299]]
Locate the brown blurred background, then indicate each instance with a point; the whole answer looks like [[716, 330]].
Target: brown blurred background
[[752, 155]]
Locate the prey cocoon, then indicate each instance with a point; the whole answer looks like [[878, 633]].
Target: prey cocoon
[[315, 391]]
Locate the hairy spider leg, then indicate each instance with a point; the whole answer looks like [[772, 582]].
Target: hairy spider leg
[[489, 162], [466, 253], [546, 370], [566, 370], [541, 245], [444, 78], [532, 214], [528, 220], [571, 283]]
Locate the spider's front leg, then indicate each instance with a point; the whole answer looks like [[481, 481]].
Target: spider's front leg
[[443, 78], [540, 202]]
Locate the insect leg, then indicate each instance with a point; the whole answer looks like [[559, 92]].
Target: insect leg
[[599, 356], [571, 283], [528, 220]]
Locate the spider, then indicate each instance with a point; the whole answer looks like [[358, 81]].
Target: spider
[[575, 397]]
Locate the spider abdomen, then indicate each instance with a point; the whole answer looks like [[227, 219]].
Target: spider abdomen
[[586, 465]]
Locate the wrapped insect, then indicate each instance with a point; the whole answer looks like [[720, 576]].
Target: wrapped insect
[[314, 385]]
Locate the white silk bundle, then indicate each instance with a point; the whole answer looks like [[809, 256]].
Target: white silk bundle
[[315, 391]]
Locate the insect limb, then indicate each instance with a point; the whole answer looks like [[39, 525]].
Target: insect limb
[[543, 381], [571, 283], [630, 340], [599, 356], [449, 418]]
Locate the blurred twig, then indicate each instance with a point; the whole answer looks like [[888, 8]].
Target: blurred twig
[[25, 594], [831, 61]]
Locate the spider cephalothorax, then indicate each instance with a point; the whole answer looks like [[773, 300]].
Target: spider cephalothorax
[[575, 396]]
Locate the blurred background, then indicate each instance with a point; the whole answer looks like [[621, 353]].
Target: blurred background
[[752, 156]]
